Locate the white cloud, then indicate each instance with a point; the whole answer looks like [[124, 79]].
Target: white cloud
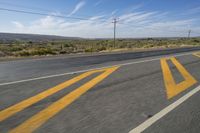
[[137, 17], [77, 7], [175, 28], [18, 24], [137, 24]]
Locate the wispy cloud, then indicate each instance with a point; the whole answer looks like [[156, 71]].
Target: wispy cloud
[[136, 24], [191, 11], [135, 7], [138, 17], [114, 12], [77, 7], [194, 10], [98, 3]]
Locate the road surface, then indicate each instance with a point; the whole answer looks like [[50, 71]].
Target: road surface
[[101, 94]]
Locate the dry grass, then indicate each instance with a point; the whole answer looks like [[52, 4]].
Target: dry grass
[[24, 49]]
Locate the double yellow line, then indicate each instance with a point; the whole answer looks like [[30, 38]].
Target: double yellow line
[[172, 87], [40, 118]]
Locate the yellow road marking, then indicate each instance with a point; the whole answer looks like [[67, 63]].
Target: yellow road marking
[[172, 88], [4, 114], [37, 120], [197, 54]]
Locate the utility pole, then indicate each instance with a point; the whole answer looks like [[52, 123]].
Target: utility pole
[[189, 33], [115, 25]]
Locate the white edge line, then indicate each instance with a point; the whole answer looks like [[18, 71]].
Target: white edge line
[[164, 112], [81, 71]]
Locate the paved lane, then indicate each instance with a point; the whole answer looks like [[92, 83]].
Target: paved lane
[[25, 69], [116, 99]]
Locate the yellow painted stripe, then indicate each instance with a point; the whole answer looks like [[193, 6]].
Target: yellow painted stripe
[[197, 54], [37, 120], [189, 79], [174, 89], [4, 114], [167, 76], [182, 70]]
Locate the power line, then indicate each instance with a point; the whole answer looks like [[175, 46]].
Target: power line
[[83, 18], [53, 15], [41, 14], [35, 8], [77, 18]]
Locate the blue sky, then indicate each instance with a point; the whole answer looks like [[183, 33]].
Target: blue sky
[[137, 18]]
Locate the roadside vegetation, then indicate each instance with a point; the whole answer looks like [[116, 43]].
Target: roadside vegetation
[[29, 48]]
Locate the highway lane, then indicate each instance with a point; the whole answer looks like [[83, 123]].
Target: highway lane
[[119, 102], [25, 69]]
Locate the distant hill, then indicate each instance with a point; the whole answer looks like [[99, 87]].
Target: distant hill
[[10, 37]]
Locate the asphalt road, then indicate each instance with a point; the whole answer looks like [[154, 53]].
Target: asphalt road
[[101, 94]]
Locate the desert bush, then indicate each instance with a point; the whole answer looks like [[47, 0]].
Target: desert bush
[[23, 53], [2, 54], [89, 50], [102, 48], [42, 51]]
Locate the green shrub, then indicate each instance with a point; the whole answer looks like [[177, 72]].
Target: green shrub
[[88, 50], [23, 53], [14, 49], [63, 52], [42, 51], [101, 49], [196, 41]]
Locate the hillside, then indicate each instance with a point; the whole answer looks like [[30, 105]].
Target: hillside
[[10, 37]]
